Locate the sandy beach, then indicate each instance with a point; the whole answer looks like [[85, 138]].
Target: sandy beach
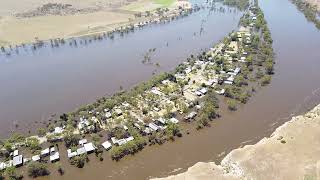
[[23, 22], [292, 152]]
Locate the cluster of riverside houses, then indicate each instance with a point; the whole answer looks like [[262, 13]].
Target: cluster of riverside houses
[[150, 108]]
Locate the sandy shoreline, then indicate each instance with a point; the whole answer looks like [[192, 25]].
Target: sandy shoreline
[[89, 17], [292, 152]]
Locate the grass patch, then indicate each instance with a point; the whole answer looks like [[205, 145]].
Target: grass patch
[[164, 3]]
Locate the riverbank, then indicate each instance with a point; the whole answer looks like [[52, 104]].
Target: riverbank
[[66, 19], [310, 9], [291, 152], [315, 3]]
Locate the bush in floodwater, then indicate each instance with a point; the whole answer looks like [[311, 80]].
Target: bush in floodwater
[[131, 147], [61, 170], [265, 80], [80, 161], [232, 104], [41, 132], [33, 143], [71, 139], [36, 169], [12, 173]]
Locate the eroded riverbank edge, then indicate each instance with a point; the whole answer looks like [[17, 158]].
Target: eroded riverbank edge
[[291, 152]]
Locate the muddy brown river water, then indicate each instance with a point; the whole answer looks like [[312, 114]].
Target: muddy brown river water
[[294, 89], [38, 84]]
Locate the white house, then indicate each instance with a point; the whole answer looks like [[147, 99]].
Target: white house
[[89, 147], [107, 145], [36, 158], [17, 161], [174, 120], [55, 157]]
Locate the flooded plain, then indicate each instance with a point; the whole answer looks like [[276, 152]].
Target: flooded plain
[[294, 89], [36, 85]]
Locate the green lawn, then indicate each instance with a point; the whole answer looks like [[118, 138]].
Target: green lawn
[[164, 3]]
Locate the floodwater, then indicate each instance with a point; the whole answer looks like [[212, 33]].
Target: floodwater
[[35, 85], [295, 88]]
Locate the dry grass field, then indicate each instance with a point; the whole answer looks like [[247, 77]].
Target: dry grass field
[[23, 21]]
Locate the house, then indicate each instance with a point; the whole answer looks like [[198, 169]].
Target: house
[[52, 150], [15, 153], [89, 147], [81, 150], [174, 120], [191, 115], [156, 91], [228, 82], [137, 126], [230, 78], [125, 128], [17, 161], [58, 130], [121, 142], [147, 130], [203, 91], [165, 82], [237, 70], [71, 154], [221, 92], [45, 152], [210, 82], [131, 138], [36, 158], [118, 112], [162, 120], [2, 166], [188, 70], [83, 123], [107, 145], [55, 157], [82, 142], [108, 115], [198, 93], [153, 126]]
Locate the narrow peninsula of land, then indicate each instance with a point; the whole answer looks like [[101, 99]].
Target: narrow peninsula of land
[[292, 152]]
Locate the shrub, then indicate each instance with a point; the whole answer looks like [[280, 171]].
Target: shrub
[[33, 143], [61, 170], [80, 161], [71, 139], [12, 173], [232, 104], [36, 169], [265, 80], [41, 132]]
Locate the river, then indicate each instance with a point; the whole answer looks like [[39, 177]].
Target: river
[[38, 84], [295, 88]]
